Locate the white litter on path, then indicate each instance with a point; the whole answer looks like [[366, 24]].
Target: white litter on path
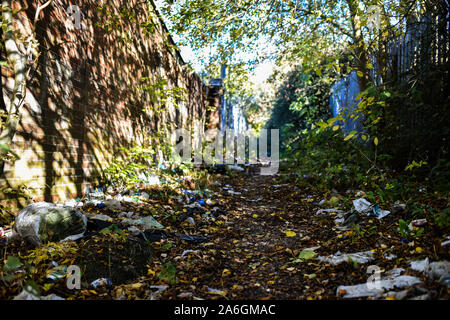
[[338, 257]]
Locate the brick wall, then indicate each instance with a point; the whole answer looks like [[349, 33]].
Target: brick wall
[[83, 100]]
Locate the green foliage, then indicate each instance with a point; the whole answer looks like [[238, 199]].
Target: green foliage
[[168, 273], [405, 231], [301, 101], [126, 170], [443, 218]]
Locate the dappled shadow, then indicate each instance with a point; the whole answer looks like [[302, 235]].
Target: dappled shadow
[[84, 100]]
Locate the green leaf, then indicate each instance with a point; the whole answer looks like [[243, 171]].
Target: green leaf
[[12, 263], [306, 254], [360, 74], [168, 273], [31, 287], [350, 135], [5, 147]]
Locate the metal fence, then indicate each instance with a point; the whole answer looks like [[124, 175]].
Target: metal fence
[[422, 50]]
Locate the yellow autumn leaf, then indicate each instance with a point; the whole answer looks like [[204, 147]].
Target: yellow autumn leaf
[[375, 141], [290, 233], [335, 128], [226, 272]]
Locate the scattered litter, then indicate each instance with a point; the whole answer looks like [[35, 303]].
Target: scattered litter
[[25, 295], [42, 222], [159, 289], [112, 204], [398, 207], [185, 295], [191, 221], [419, 222], [73, 203], [439, 271], [155, 235], [235, 168], [234, 192], [217, 291], [148, 222], [101, 283], [348, 220], [280, 185], [446, 243], [363, 206], [327, 211], [194, 238], [390, 256], [377, 289], [56, 273], [134, 230], [338, 257], [102, 217], [145, 195], [185, 252], [152, 180]]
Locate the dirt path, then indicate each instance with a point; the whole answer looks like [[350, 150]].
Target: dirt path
[[268, 222], [259, 238]]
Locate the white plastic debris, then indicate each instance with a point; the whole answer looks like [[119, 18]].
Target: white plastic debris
[[398, 207], [147, 222], [420, 265], [102, 282], [113, 204], [446, 243], [25, 295], [328, 211], [280, 185], [438, 270], [153, 180], [185, 252], [377, 288], [233, 192], [235, 168], [102, 217], [73, 203], [363, 206], [41, 222], [190, 220], [159, 289], [134, 230], [145, 195], [338, 257]]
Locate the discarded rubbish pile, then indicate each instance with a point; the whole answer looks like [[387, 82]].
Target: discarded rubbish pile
[[42, 222]]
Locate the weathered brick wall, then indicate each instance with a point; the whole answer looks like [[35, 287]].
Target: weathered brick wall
[[83, 100]]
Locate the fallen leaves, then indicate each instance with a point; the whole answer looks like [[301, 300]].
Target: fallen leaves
[[290, 233]]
